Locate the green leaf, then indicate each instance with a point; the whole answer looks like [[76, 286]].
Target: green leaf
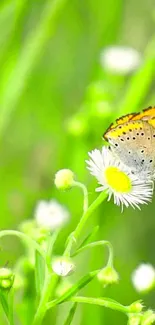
[[71, 314], [90, 237], [39, 273], [4, 301], [10, 304], [74, 289]]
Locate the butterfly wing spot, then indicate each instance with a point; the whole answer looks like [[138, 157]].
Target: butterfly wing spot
[[148, 114], [123, 129]]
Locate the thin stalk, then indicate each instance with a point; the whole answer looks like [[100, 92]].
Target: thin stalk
[[105, 302], [49, 283], [10, 302], [75, 235], [23, 237], [98, 243], [85, 194], [44, 299]]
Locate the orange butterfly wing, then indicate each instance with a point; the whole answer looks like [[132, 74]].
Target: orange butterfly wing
[[148, 114], [145, 115]]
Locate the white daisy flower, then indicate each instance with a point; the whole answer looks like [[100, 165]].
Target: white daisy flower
[[51, 215], [120, 59], [143, 278], [118, 180]]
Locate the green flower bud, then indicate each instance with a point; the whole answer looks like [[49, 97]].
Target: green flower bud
[[63, 266], [5, 273], [30, 228], [6, 278], [134, 320], [136, 307], [64, 179], [108, 275], [148, 318]]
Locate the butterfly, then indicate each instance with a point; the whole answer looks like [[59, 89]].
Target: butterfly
[[132, 140]]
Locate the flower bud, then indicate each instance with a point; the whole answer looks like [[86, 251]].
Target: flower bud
[[108, 275], [148, 318], [134, 319], [63, 266], [30, 228], [6, 278], [136, 307], [64, 179]]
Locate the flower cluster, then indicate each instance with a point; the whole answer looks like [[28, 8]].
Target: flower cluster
[[117, 179]]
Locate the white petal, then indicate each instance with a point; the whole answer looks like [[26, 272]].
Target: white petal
[[142, 185]]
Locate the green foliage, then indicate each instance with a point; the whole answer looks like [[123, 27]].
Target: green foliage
[[56, 101]]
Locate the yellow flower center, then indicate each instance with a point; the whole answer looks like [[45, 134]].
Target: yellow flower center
[[118, 180]]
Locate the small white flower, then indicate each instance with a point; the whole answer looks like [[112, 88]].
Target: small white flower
[[120, 59], [63, 266], [117, 179], [51, 215], [143, 278]]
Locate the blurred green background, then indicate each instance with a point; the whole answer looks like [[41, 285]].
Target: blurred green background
[[56, 101]]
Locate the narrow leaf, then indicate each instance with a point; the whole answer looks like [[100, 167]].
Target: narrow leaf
[[71, 314], [74, 289], [4, 301], [90, 237], [39, 272]]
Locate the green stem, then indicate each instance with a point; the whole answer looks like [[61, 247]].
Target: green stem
[[10, 301], [85, 193], [50, 243], [98, 243], [105, 302], [23, 237], [50, 281], [50, 284], [75, 235], [44, 299], [87, 214]]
